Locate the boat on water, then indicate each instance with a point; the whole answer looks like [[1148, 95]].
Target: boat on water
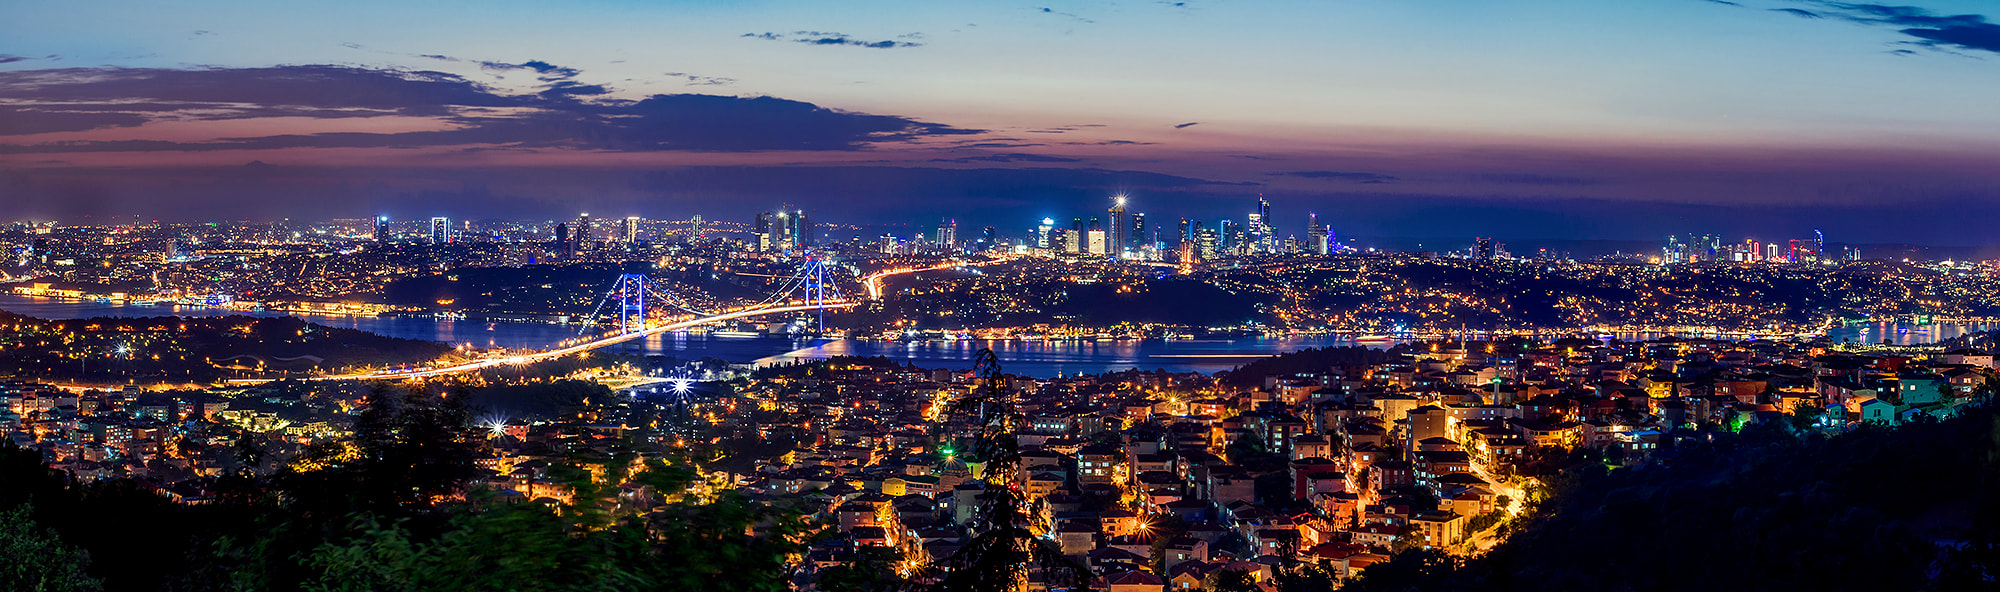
[[734, 334], [145, 303], [1376, 338]]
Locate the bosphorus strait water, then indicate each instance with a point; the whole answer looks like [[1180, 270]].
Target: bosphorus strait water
[[1028, 358], [1025, 357]]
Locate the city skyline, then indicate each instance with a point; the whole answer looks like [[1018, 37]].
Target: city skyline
[[1562, 120]]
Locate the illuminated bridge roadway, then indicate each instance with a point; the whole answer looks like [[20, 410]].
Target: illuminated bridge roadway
[[874, 282], [814, 302], [577, 348]]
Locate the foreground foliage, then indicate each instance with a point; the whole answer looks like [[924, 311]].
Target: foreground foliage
[[1915, 507], [399, 513]]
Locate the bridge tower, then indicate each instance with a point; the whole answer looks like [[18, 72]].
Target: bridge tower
[[815, 287], [631, 295]]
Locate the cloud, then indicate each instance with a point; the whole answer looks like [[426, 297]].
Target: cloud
[[697, 80], [1341, 175], [1947, 33], [571, 88], [9, 59], [1960, 31], [1111, 143], [568, 114], [16, 121], [547, 72], [829, 38], [1008, 157], [1069, 15], [79, 99], [1187, 125]]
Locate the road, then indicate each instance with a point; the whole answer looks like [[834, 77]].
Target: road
[[573, 349], [874, 282]]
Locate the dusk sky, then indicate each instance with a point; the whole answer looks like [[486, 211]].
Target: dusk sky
[[1597, 119]]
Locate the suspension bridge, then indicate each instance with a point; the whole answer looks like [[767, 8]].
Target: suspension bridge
[[636, 307]]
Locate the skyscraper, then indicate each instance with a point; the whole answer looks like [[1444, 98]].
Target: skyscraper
[[1319, 239], [802, 229], [785, 229], [1207, 241], [1115, 234], [1482, 248], [1042, 232], [381, 229], [581, 231], [947, 234], [696, 231], [763, 230], [1138, 240], [440, 230], [631, 234], [1262, 238]]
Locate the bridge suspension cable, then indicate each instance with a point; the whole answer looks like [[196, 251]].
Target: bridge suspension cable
[[630, 293]]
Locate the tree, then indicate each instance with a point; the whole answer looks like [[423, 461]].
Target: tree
[[37, 560], [999, 558], [1232, 580], [873, 568], [1805, 414]]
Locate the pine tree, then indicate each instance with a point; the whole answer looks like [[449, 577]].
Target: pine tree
[[1005, 553]]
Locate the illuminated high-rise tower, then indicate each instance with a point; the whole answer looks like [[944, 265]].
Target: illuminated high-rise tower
[[1319, 239], [1262, 238], [947, 234], [631, 234], [440, 230], [1138, 240], [784, 229], [763, 230], [1207, 241], [801, 229], [581, 231], [1114, 235], [1075, 244]]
